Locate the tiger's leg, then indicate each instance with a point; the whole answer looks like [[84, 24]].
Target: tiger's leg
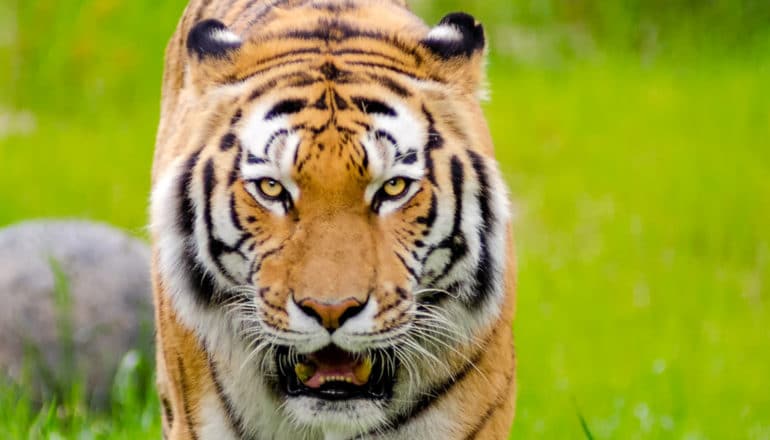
[[182, 376], [498, 424], [494, 417]]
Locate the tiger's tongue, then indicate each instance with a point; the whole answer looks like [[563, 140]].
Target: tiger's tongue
[[334, 365], [333, 373]]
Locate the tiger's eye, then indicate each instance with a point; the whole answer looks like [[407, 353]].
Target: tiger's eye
[[270, 188], [395, 187]]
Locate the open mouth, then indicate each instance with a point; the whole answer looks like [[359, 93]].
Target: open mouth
[[334, 374]]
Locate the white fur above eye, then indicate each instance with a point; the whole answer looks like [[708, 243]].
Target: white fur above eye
[[274, 161], [392, 140]]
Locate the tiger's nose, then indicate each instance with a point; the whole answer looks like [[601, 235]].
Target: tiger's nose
[[331, 315]]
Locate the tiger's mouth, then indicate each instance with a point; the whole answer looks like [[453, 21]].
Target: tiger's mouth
[[334, 374]]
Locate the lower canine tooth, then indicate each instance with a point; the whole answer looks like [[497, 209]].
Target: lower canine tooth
[[363, 370], [304, 371]]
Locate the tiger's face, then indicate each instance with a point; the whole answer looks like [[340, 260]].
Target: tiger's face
[[333, 192], [340, 227]]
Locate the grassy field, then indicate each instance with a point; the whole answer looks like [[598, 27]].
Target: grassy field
[[642, 196]]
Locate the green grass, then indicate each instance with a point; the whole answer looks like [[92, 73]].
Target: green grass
[[642, 197], [643, 204], [134, 410]]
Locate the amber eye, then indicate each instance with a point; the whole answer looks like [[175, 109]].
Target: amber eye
[[270, 188], [395, 187]]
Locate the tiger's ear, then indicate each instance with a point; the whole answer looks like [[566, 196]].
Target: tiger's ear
[[458, 46], [211, 46]]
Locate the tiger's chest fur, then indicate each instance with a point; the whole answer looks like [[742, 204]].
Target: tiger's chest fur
[[331, 237]]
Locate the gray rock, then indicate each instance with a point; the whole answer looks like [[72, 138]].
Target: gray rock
[[75, 297]]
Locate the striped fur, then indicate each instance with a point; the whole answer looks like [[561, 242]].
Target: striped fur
[[332, 99]]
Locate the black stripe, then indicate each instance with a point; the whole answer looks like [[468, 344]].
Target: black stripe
[[227, 142], [294, 52], [273, 137], [216, 246], [408, 158], [435, 141], [391, 85], [167, 412], [235, 422], [455, 242], [364, 152], [236, 117], [499, 401], [286, 107], [389, 67], [485, 270], [370, 53], [235, 172], [428, 398], [339, 102], [261, 259], [202, 284], [320, 103], [209, 182], [186, 210], [234, 216], [408, 268], [273, 81], [335, 30], [266, 11], [335, 7], [185, 401], [251, 158], [373, 106], [430, 218], [328, 30], [382, 134]]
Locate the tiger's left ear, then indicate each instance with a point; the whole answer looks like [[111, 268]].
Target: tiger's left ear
[[211, 47], [458, 47]]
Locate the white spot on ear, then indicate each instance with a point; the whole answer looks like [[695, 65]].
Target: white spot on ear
[[445, 32], [225, 36]]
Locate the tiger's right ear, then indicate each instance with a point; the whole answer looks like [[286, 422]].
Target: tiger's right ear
[[457, 45], [210, 47]]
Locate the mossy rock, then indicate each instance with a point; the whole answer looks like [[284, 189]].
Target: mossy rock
[[75, 297]]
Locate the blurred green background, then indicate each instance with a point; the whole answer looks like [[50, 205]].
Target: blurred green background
[[635, 135]]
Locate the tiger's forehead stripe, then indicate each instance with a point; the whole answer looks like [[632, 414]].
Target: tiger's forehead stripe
[[390, 138], [374, 51]]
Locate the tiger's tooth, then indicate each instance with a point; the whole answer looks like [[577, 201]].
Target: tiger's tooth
[[304, 371], [363, 370]]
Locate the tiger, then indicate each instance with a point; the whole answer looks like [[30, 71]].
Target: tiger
[[333, 251]]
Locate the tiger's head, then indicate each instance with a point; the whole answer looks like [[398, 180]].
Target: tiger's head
[[329, 216]]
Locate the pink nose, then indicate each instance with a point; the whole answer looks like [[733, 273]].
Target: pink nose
[[331, 315]]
